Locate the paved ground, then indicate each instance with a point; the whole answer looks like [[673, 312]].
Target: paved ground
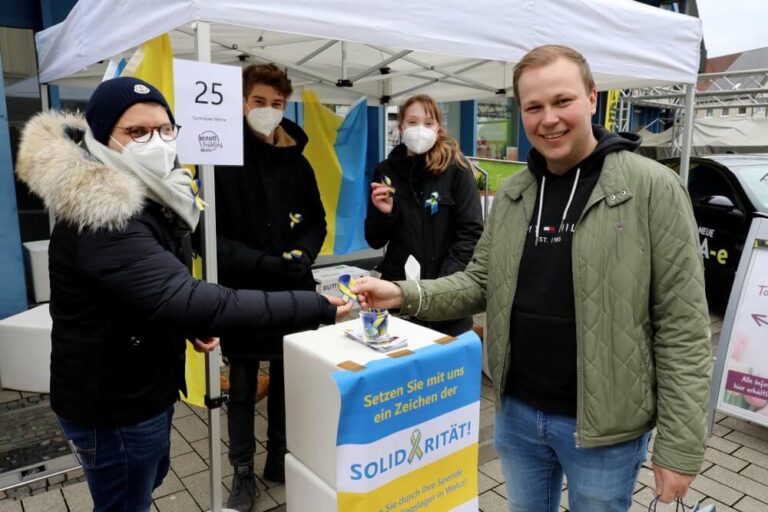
[[735, 475]]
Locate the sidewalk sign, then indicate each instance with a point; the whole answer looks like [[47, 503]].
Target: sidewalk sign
[[740, 378]]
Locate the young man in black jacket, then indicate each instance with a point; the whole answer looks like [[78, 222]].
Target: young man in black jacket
[[123, 300], [271, 225]]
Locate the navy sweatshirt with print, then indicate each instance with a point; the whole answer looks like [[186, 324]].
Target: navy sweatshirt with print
[[542, 370]]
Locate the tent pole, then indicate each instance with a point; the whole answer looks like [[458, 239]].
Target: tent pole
[[208, 227], [315, 53], [685, 155], [343, 60]]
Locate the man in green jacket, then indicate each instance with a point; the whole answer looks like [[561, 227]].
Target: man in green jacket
[[598, 330]]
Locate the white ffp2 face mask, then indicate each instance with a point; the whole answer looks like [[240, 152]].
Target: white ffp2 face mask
[[156, 155], [419, 139], [264, 120]]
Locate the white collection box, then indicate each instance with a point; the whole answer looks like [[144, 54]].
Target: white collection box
[[312, 399], [25, 350], [36, 259], [328, 277], [305, 491]]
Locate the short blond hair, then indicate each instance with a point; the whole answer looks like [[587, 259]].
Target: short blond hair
[[546, 55]]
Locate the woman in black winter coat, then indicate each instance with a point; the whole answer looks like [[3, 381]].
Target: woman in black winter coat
[[123, 301], [424, 203]]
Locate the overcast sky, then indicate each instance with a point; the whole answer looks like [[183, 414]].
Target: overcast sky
[[732, 26]]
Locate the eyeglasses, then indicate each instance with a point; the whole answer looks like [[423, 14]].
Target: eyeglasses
[[168, 132]]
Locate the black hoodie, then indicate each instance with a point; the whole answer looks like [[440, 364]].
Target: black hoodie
[[542, 370]]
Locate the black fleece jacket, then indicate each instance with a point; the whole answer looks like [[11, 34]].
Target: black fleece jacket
[[542, 372], [442, 242]]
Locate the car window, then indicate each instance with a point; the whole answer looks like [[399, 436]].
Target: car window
[[705, 182], [754, 179]]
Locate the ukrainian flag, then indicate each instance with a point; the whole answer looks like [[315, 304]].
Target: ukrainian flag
[[336, 151]]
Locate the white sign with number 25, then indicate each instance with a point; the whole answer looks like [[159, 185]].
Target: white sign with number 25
[[209, 107]]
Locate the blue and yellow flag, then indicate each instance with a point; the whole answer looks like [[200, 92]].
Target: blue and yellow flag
[[336, 151], [153, 63]]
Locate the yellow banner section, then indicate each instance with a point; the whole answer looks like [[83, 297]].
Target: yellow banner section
[[611, 103], [437, 487], [322, 126], [194, 369]]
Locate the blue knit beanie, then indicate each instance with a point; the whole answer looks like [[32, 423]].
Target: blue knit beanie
[[112, 98]]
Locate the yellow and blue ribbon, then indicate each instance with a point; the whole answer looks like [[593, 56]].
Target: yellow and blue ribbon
[[388, 182], [195, 186], [295, 219], [432, 202], [345, 284], [293, 255]]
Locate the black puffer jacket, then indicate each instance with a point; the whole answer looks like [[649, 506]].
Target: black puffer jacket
[[443, 243], [122, 298], [253, 204]]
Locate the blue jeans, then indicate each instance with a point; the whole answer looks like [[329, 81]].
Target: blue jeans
[[537, 448], [123, 465]]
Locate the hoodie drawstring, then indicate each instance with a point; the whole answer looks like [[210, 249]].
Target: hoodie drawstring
[[567, 206]]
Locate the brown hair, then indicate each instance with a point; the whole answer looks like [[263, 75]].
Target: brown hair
[[546, 55], [267, 74], [446, 149]]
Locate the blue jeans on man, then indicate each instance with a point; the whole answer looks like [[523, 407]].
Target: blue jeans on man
[[537, 448], [123, 465]]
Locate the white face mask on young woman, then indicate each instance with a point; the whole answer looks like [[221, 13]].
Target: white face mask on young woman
[[264, 120], [156, 155], [419, 139]]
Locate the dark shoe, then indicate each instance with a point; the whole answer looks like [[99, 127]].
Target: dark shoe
[[244, 493], [274, 467]]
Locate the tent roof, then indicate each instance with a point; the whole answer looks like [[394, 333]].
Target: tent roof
[[460, 49]]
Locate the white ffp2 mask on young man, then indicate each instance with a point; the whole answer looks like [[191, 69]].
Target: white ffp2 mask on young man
[[264, 120], [419, 139]]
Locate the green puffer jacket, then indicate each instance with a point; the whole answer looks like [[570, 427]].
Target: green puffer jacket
[[643, 335]]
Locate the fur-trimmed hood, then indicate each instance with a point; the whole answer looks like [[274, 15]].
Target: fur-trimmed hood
[[79, 189]]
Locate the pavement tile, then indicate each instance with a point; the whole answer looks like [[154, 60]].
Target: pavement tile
[[188, 464], [52, 501], [78, 497], [738, 482], [493, 470], [199, 486], [716, 490], [171, 484], [501, 490], [8, 395], [492, 502], [757, 431], [278, 494], [485, 483], [180, 502], [191, 427], [724, 445], [757, 474], [727, 461], [720, 431], [181, 409], [10, 506], [748, 441], [202, 448], [752, 456], [179, 445], [749, 504]]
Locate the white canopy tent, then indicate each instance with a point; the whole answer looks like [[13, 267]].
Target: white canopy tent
[[470, 47], [451, 49]]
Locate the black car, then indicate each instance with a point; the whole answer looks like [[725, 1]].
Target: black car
[[727, 192]]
